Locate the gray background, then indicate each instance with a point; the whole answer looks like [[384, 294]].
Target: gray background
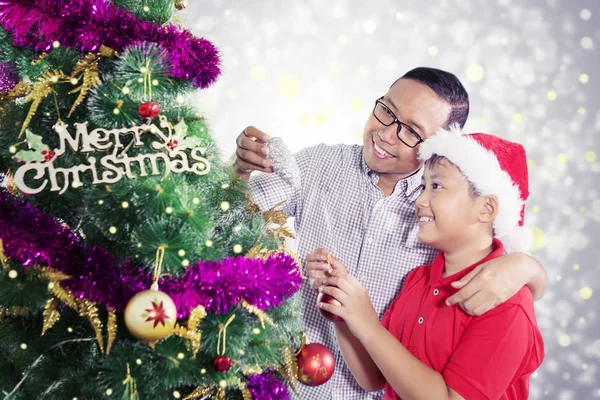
[[309, 71]]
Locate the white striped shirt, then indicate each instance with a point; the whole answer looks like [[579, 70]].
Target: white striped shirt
[[339, 206]]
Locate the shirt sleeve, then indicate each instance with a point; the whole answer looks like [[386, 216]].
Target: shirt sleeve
[[492, 353], [268, 190]]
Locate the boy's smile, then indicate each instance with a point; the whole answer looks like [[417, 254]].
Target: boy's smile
[[447, 213]]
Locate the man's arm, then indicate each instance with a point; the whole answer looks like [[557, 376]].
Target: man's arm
[[492, 283], [538, 276]]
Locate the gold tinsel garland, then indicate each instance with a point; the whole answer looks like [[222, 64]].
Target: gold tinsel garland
[[39, 91], [3, 259], [290, 366], [87, 69], [111, 330], [51, 314], [260, 314], [200, 393]]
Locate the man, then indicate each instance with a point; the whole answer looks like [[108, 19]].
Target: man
[[358, 202]]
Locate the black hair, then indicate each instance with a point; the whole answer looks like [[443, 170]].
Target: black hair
[[437, 160], [448, 87]]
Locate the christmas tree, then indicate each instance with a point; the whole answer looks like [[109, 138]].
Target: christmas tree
[[132, 263]]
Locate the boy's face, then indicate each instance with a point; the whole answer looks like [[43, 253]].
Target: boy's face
[[448, 214], [414, 104]]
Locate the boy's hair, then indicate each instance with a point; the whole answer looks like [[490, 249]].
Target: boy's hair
[[436, 159], [448, 87]]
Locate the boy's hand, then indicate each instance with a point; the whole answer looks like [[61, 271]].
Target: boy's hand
[[320, 265], [356, 308], [489, 285]]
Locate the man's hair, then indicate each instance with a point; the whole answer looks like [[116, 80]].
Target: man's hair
[[448, 87], [437, 160]]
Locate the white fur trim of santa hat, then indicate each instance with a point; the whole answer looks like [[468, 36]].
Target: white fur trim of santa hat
[[481, 167]]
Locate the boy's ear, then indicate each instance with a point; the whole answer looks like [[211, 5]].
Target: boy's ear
[[489, 210]]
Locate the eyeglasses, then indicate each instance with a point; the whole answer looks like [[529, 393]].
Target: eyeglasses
[[386, 117]]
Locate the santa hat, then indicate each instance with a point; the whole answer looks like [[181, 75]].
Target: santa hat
[[495, 166]]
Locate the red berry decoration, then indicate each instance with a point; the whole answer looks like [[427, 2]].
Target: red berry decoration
[[149, 110], [48, 155], [173, 144], [222, 363], [315, 364], [325, 298]]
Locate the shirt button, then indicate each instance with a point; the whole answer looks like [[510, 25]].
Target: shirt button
[[421, 320], [436, 292]]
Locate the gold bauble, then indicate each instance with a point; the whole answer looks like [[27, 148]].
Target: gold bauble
[[180, 4], [150, 315]]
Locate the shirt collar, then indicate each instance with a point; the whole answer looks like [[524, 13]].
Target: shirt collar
[[406, 186], [437, 267]]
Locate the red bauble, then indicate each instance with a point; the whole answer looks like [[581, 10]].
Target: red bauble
[[325, 298], [222, 363], [149, 110], [315, 364]]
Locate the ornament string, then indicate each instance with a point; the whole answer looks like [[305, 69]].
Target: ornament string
[[130, 386], [57, 108], [147, 81], [223, 333], [160, 257], [302, 343]]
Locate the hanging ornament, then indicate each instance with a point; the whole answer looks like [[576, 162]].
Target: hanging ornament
[[151, 314], [325, 298], [222, 362], [284, 162], [315, 364], [180, 4], [149, 109]]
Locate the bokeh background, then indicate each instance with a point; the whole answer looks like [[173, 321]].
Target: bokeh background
[[310, 71]]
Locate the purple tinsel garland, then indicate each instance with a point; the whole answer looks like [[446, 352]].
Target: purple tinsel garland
[[88, 24], [8, 77], [32, 238], [267, 386]]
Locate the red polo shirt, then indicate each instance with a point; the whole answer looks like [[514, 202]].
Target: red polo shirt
[[486, 357]]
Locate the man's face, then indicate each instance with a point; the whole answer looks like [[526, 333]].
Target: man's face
[[414, 104]]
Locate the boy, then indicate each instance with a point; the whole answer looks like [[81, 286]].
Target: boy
[[473, 191]]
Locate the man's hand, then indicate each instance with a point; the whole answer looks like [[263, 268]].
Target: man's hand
[[320, 265], [489, 285], [251, 153], [356, 308]]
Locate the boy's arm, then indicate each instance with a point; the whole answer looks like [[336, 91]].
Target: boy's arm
[[492, 283], [407, 375], [358, 360]]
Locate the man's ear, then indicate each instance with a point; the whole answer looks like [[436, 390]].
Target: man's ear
[[489, 209]]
